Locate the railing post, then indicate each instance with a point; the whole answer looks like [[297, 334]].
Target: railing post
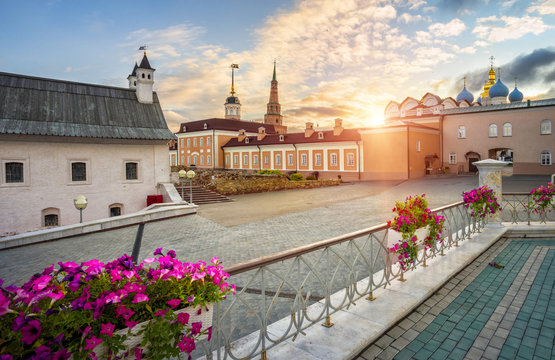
[[490, 174]]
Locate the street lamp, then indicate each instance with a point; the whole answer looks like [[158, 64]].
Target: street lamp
[[80, 203], [182, 175], [191, 174]]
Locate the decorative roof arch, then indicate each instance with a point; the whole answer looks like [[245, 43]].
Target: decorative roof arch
[[392, 109], [430, 99], [408, 104], [449, 103], [465, 103]]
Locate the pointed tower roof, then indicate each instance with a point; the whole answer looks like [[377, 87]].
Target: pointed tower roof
[[144, 63], [274, 77], [134, 72]]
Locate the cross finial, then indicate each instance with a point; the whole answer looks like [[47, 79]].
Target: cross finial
[[515, 81], [491, 58], [464, 79]]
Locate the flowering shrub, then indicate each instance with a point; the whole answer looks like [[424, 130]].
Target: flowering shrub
[[542, 199], [481, 202], [412, 215], [71, 310]]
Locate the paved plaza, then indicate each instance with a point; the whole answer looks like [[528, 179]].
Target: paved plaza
[[484, 312], [196, 237]]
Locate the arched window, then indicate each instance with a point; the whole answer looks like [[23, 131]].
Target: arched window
[[201, 141], [545, 158], [461, 134], [507, 129], [115, 209], [194, 160], [148, 76], [208, 159], [50, 217], [281, 138], [493, 130], [202, 159], [143, 76], [545, 127], [205, 126], [320, 135]]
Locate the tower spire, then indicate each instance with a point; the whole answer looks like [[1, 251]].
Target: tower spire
[[232, 104], [233, 67], [274, 77], [273, 113]]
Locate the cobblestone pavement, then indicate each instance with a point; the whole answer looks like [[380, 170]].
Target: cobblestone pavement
[[197, 238], [483, 312]]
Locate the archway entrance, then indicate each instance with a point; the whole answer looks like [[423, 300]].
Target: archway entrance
[[472, 157], [501, 154]]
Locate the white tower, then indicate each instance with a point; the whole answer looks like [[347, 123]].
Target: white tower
[[232, 104], [145, 81]]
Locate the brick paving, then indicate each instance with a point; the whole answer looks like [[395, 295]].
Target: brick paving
[[483, 312]]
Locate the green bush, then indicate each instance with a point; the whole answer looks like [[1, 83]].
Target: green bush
[[270, 172], [296, 177], [311, 177]]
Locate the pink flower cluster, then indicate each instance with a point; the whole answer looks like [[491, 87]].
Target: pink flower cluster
[[481, 201], [542, 199], [123, 292]]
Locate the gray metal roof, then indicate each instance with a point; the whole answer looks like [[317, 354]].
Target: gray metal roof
[[508, 106], [38, 106]]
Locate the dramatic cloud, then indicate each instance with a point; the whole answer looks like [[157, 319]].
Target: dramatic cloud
[[408, 18], [452, 28], [504, 28]]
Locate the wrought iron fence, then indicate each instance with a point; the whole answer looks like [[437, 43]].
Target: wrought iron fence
[[516, 209], [286, 284]]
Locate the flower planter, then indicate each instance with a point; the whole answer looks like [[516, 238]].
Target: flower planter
[[133, 340]]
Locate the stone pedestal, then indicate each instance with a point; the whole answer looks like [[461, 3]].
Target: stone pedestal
[[490, 174]]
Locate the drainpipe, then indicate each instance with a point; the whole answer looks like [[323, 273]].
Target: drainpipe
[[296, 167], [441, 143]]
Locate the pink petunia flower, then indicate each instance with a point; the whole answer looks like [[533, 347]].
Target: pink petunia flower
[[174, 303], [92, 342], [183, 318], [140, 298], [30, 332], [131, 324], [161, 313], [107, 329]]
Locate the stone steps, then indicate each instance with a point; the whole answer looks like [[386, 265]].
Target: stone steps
[[201, 195]]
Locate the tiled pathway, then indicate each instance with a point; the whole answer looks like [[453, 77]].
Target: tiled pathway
[[484, 312]]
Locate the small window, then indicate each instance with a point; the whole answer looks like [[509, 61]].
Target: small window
[[452, 158], [227, 159], [303, 159], [205, 126], [318, 160], [143, 76], [266, 159], [51, 220], [492, 130], [148, 76], [320, 135], [194, 142], [290, 159], [245, 160], [333, 160], [78, 171], [134, 83], [255, 159], [351, 159], [247, 140], [545, 127], [14, 172], [194, 160], [115, 211], [182, 142], [418, 146], [50, 217], [202, 159], [278, 159], [201, 141], [183, 160], [281, 138], [188, 160], [507, 129], [235, 159], [208, 159], [461, 133], [131, 171], [188, 142], [545, 158], [208, 141]]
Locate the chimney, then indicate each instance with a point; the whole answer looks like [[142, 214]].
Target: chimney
[[338, 128], [261, 133], [241, 135], [309, 130]]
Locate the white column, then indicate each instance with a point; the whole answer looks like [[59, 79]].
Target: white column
[[490, 174]]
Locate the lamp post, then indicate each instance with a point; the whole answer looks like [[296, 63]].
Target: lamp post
[[80, 203], [191, 174], [182, 175]]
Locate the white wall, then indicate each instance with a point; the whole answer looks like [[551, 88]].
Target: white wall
[[47, 179]]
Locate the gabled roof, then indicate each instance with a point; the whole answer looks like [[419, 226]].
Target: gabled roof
[[37, 106], [298, 138], [224, 124], [498, 107]]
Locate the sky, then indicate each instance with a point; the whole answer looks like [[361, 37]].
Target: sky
[[335, 59]]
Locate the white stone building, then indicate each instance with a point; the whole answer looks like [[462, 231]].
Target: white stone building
[[60, 139]]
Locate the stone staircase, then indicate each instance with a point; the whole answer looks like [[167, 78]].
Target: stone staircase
[[201, 195]]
